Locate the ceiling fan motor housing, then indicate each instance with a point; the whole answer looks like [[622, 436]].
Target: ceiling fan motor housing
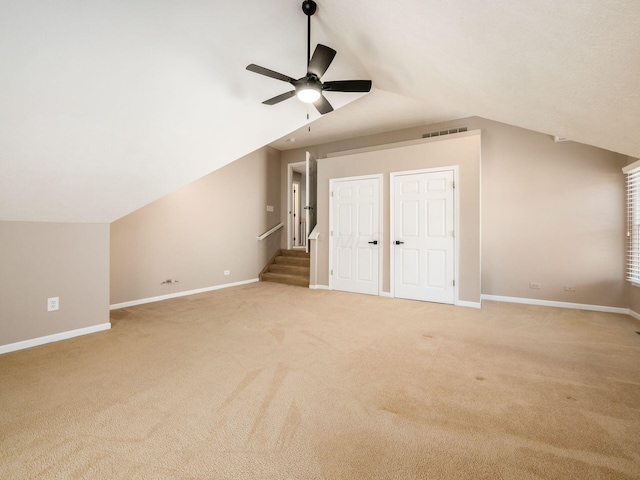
[[310, 81]]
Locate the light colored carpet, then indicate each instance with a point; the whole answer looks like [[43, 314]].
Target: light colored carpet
[[269, 381]]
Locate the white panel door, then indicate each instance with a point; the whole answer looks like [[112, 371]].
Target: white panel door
[[423, 236], [355, 219]]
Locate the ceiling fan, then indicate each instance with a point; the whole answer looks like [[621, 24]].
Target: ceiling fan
[[309, 88]]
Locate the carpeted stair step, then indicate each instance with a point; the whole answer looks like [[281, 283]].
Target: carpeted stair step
[[295, 253], [288, 266], [284, 278], [291, 260], [289, 269]]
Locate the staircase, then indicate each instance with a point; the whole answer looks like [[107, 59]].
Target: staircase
[[287, 266]]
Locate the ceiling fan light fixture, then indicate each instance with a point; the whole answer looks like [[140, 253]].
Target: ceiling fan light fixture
[[309, 88], [308, 94]]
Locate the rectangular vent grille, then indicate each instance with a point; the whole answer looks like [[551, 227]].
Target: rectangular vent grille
[[448, 131]]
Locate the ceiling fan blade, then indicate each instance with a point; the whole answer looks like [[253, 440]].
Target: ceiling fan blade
[[269, 73], [322, 105], [321, 59], [347, 86], [279, 98]]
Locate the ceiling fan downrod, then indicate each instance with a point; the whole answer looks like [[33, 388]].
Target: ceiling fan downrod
[[309, 7]]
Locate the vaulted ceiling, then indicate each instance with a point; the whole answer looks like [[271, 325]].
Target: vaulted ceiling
[[106, 106]]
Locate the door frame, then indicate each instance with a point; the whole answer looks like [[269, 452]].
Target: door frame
[[311, 196], [456, 223], [332, 181], [296, 204], [290, 168]]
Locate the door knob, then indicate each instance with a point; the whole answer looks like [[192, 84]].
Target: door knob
[[398, 242], [375, 242]]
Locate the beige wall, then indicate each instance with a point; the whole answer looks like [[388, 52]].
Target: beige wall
[[195, 233], [552, 213], [634, 298], [633, 292], [42, 260], [461, 151]]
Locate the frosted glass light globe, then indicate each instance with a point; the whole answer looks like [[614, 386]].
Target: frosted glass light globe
[[308, 95]]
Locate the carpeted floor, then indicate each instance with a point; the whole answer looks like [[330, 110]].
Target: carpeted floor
[[268, 381]]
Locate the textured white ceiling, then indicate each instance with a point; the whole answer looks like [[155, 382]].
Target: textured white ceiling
[[376, 112], [107, 106]]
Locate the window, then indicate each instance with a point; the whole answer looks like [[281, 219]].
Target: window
[[633, 221]]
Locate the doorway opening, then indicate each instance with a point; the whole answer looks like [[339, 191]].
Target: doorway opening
[[296, 221], [301, 202]]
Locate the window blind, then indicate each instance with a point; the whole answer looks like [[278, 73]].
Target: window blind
[[633, 222]]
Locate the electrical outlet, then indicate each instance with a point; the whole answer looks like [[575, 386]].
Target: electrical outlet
[[569, 288], [269, 208], [227, 272], [53, 304], [534, 285]]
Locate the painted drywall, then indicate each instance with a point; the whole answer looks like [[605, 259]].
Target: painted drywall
[[462, 152], [43, 260], [552, 213], [633, 291], [197, 232], [634, 298]]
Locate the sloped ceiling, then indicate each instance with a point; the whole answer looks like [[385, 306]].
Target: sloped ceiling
[[106, 106]]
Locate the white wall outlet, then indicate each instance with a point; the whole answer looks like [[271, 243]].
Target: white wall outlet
[[569, 288], [534, 285], [53, 304], [227, 272], [269, 208]]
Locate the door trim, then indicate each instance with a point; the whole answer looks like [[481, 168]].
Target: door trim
[[381, 243], [295, 213], [290, 167], [456, 222]]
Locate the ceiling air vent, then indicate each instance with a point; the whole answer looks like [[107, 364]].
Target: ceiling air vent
[[448, 131]]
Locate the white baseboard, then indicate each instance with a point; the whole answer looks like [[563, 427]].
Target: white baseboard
[[549, 303], [634, 314], [462, 303], [56, 337], [142, 301], [319, 287], [386, 294]]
